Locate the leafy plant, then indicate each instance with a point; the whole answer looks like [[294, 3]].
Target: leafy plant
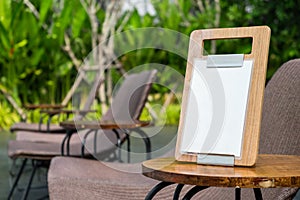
[[7, 116], [36, 68], [173, 114]]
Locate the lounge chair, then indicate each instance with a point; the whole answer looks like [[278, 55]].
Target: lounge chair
[[134, 90], [75, 178], [50, 110]]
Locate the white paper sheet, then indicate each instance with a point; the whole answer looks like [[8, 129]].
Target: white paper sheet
[[216, 107]]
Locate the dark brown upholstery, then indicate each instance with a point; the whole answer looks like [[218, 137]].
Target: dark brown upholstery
[[280, 130], [75, 178], [132, 95], [71, 178], [86, 179]]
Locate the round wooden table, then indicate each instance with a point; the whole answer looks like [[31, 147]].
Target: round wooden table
[[270, 171]]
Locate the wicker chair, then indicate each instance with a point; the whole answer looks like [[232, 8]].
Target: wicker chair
[[134, 90], [74, 178]]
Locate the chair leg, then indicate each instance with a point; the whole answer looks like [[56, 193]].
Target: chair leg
[[128, 144], [11, 170], [17, 179], [147, 142], [118, 144], [95, 141], [26, 192]]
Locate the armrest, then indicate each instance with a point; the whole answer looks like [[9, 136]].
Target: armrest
[[123, 124], [56, 112], [43, 106], [103, 124]]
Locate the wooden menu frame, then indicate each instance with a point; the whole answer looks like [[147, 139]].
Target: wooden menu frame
[[260, 47]]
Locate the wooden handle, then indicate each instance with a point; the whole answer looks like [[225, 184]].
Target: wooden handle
[[259, 34]]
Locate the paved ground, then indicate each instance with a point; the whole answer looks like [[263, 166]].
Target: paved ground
[[162, 139], [4, 163]]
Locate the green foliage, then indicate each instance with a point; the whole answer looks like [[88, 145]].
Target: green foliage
[[183, 17], [5, 14], [31, 48], [35, 69], [23, 59], [173, 114], [170, 116], [7, 116], [281, 16], [145, 115], [33, 66], [284, 21]]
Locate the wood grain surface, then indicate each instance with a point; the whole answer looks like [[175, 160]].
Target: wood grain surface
[[270, 171]]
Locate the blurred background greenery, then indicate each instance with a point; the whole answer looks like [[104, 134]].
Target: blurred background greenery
[[43, 43]]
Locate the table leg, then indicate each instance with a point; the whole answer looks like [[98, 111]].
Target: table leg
[[177, 191], [156, 189], [193, 191], [237, 193], [257, 192]]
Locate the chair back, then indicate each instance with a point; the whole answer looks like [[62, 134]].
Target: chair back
[[131, 97], [99, 79], [280, 128]]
